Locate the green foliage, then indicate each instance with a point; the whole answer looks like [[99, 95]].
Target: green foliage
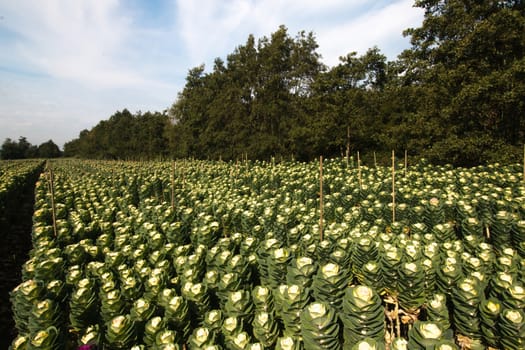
[[23, 149], [48, 150], [123, 136], [120, 275], [467, 64], [362, 316], [455, 97]]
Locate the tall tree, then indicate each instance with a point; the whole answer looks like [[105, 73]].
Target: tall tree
[[48, 150], [123, 136], [345, 103], [251, 103], [18, 149], [468, 60]]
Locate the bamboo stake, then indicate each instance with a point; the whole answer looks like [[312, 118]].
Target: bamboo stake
[[321, 198], [52, 191], [173, 185], [406, 163], [347, 144], [393, 187], [183, 168], [375, 160], [359, 171]]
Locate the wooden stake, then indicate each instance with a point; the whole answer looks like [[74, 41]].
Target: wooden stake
[[52, 191], [321, 198], [375, 160], [393, 187], [359, 170], [173, 185], [183, 167], [406, 163], [347, 144]]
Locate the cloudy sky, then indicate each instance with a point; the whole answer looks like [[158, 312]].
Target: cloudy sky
[[67, 64]]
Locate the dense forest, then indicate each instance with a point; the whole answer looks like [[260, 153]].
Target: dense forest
[[457, 95]]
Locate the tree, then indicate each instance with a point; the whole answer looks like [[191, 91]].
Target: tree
[[468, 60], [250, 104], [10, 150], [18, 150], [48, 150], [123, 136], [346, 99]]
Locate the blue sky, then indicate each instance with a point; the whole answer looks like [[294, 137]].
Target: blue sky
[[67, 64]]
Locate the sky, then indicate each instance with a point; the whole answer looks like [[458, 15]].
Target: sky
[[65, 65]]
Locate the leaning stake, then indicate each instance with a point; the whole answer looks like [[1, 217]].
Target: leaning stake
[[321, 198], [347, 144], [406, 163], [173, 185], [359, 171], [393, 187], [52, 191]]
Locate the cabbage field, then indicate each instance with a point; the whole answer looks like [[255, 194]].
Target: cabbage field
[[214, 255]]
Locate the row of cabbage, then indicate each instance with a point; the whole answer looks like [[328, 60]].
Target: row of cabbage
[[229, 256], [15, 177]]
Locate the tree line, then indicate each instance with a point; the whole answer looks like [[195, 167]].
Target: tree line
[[456, 96], [23, 149], [124, 136]]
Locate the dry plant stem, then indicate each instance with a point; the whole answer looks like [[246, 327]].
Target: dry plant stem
[[398, 322], [321, 198], [393, 317], [392, 330], [389, 334]]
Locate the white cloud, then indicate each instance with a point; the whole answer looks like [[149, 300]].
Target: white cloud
[[211, 28], [77, 40], [382, 28], [206, 27], [67, 64]]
